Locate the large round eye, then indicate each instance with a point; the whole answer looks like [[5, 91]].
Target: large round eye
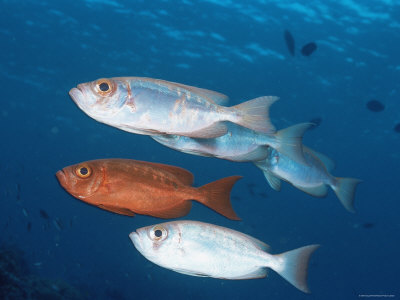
[[158, 233], [104, 87], [83, 171]]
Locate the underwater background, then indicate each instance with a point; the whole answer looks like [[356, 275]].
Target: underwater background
[[77, 251]]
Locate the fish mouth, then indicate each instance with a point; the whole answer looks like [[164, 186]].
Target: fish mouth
[[135, 238], [77, 95], [62, 179]]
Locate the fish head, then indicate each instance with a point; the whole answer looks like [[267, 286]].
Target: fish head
[[82, 180], [103, 98], [157, 243]]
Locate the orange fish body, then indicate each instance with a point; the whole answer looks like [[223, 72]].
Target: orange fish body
[[132, 187]]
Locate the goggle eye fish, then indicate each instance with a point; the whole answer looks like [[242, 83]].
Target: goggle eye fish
[[83, 171], [104, 87], [158, 233]]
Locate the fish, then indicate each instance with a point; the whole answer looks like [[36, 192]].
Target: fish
[[129, 187], [241, 144], [289, 41], [375, 106], [308, 49], [315, 122], [44, 214], [207, 250], [151, 106], [312, 178], [396, 128]]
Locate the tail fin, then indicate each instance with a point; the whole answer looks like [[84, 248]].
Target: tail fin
[[290, 141], [345, 189], [216, 195], [254, 114], [292, 265]]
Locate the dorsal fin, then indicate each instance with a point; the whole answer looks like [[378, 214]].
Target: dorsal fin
[[215, 97], [183, 175], [328, 163]]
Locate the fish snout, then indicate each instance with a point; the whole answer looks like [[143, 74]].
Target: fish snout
[[62, 179], [135, 238], [76, 94]]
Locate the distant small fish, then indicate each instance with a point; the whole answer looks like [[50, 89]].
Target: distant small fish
[[289, 41], [397, 128], [58, 224], [308, 49], [375, 106], [38, 264], [24, 212], [29, 226], [18, 187], [44, 214], [368, 225], [315, 122]]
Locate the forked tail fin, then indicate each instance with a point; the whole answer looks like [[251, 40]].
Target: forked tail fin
[[293, 265], [254, 114], [345, 189], [216, 195]]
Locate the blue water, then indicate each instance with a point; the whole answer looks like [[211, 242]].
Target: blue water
[[237, 48]]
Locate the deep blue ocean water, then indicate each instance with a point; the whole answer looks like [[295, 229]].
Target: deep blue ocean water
[[234, 47]]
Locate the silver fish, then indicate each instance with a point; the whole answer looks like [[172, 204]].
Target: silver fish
[[241, 144], [151, 106], [312, 178], [201, 249]]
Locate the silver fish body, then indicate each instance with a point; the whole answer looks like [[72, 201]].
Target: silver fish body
[[313, 177], [201, 249], [151, 106], [241, 144]]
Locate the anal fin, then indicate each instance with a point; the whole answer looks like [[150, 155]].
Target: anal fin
[[179, 210], [317, 191]]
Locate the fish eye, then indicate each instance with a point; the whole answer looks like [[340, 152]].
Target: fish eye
[[104, 87], [158, 233], [83, 171]]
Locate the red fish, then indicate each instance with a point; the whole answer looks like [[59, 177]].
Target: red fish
[[130, 187]]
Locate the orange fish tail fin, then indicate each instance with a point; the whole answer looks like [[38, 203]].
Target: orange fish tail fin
[[293, 265], [345, 189], [254, 114], [216, 195]]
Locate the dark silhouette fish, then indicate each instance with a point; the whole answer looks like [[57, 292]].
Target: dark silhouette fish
[[375, 106], [308, 49], [368, 225], [44, 214], [315, 122], [289, 42], [397, 128]]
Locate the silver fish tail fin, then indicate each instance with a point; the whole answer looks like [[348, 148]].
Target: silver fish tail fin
[[290, 141], [216, 195], [345, 189], [254, 114], [293, 265]]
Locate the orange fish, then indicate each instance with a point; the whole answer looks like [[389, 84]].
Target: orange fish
[[130, 187]]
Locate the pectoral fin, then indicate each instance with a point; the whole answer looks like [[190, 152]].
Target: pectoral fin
[[117, 210], [272, 180], [214, 130]]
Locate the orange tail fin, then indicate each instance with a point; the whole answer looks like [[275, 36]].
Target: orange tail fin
[[216, 195]]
